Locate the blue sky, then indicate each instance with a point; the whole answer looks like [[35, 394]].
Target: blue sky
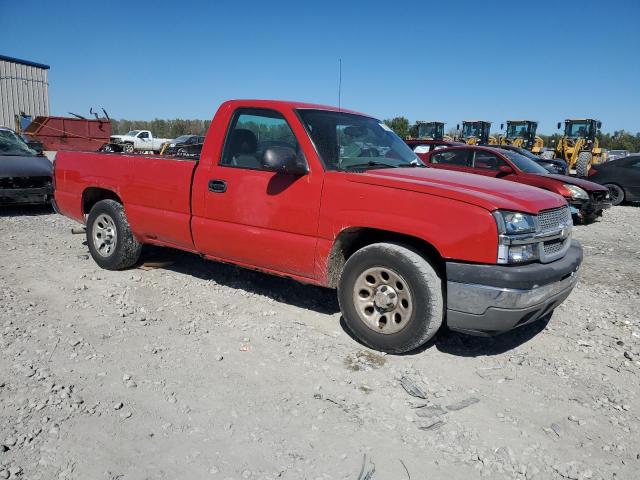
[[542, 60]]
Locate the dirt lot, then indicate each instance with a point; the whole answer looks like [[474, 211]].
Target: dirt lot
[[200, 370]]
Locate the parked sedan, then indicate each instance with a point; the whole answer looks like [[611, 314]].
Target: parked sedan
[[551, 165], [185, 145], [25, 176], [621, 177], [586, 199]]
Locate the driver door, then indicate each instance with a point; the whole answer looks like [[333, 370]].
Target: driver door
[[486, 163], [144, 141], [257, 217]]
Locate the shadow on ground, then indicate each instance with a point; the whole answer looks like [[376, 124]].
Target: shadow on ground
[[291, 292], [461, 345], [25, 210], [324, 301]]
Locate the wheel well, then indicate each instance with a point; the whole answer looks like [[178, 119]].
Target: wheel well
[[351, 240], [93, 195]]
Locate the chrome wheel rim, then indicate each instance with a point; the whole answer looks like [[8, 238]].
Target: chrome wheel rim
[[383, 300], [104, 235]]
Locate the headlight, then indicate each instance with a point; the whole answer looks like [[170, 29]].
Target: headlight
[[522, 253], [512, 226], [513, 223], [577, 193], [172, 144]]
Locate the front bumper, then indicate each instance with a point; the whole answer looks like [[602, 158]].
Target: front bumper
[[25, 196], [588, 207], [492, 299]]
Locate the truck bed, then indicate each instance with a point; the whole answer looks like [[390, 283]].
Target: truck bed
[[155, 191]]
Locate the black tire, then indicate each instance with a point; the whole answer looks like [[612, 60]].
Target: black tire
[[583, 164], [126, 251], [424, 288], [128, 148], [616, 192]]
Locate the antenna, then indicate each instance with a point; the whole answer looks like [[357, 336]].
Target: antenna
[[339, 84]]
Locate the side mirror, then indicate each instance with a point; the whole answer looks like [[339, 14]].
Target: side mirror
[[502, 126], [559, 125], [505, 170], [599, 125], [282, 160], [458, 126]]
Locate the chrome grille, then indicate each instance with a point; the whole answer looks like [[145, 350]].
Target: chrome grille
[[556, 218], [553, 247]]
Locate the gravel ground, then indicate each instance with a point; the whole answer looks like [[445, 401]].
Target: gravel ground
[[201, 370]]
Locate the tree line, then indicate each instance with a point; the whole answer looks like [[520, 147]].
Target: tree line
[[618, 140]]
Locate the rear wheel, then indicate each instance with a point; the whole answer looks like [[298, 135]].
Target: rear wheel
[[583, 164], [391, 297], [616, 193], [111, 242]]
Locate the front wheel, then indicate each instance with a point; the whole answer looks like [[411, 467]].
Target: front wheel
[[583, 164], [111, 242], [391, 297], [127, 148], [615, 192]]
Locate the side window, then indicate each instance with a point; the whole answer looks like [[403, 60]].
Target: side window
[[486, 160], [421, 149], [144, 135], [635, 165], [451, 157], [252, 132]]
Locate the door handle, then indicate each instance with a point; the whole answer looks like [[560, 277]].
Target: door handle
[[217, 186]]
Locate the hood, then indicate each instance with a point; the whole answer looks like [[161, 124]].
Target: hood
[[28, 166], [486, 192], [584, 184]]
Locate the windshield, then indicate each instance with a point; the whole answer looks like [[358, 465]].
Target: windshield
[[523, 163], [577, 129], [346, 140], [12, 144], [133, 133], [430, 130], [515, 130], [471, 130], [182, 138]]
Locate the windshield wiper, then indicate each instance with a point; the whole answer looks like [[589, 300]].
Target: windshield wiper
[[370, 164], [412, 165]]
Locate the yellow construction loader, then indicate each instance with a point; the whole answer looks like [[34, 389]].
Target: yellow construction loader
[[522, 133], [432, 131], [579, 146], [476, 132]]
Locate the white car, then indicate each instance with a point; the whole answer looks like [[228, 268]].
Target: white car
[[135, 140]]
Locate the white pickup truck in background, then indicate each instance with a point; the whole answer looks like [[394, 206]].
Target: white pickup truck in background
[[135, 140]]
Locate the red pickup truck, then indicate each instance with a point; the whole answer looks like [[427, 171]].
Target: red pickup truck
[[334, 198]]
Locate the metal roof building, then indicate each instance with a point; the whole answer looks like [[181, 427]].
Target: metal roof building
[[24, 90]]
